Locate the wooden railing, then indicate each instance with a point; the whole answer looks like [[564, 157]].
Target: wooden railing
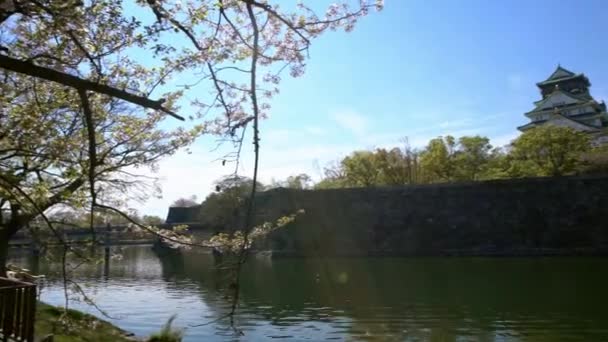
[[17, 310]]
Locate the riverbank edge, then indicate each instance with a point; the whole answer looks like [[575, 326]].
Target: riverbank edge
[[83, 326], [481, 253], [527, 252]]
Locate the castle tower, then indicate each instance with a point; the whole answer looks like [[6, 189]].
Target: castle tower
[[566, 101]]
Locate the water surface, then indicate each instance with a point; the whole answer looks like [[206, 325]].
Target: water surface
[[351, 299]]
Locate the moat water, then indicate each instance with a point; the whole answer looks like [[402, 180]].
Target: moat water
[[349, 299]]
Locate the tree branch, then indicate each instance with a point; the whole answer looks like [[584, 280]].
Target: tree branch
[[90, 124], [48, 74], [137, 224], [73, 186]]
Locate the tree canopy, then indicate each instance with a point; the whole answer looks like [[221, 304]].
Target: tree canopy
[[221, 208], [300, 181], [551, 150], [438, 159], [185, 202], [86, 85], [543, 151]]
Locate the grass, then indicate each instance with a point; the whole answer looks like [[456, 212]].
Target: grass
[[75, 326], [167, 333]]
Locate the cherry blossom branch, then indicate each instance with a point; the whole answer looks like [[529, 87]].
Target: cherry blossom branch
[[85, 52], [137, 224], [30, 69], [160, 13], [256, 149], [269, 9], [220, 92]]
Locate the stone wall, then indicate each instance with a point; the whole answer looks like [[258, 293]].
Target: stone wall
[[543, 216], [183, 214]]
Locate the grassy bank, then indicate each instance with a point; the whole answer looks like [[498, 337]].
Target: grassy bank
[[75, 326]]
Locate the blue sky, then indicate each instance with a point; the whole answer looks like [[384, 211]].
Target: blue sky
[[418, 69]]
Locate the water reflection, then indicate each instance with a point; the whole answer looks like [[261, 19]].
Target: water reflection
[[371, 299]]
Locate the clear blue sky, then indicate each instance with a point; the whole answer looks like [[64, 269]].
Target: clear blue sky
[[418, 69]]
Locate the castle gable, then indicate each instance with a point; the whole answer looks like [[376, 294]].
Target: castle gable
[[557, 99]]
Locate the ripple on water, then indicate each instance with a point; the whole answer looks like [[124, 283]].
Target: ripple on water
[[408, 300]]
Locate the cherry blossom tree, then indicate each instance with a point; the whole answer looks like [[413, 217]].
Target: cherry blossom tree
[[88, 87]]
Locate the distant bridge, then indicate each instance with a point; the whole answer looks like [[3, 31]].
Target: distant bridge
[[109, 234]]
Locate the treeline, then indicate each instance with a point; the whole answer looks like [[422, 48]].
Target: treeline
[[543, 151]]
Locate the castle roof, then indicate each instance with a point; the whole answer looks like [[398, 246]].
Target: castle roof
[[560, 74], [557, 99], [558, 119]]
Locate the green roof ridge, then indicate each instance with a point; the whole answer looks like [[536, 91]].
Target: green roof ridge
[[560, 74], [556, 74]]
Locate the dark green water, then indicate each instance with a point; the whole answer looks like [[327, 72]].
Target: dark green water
[[361, 299]]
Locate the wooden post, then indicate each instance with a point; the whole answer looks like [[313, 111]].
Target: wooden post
[[31, 298], [107, 238]]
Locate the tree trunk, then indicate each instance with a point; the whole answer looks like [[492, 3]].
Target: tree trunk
[[5, 235], [3, 252]]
